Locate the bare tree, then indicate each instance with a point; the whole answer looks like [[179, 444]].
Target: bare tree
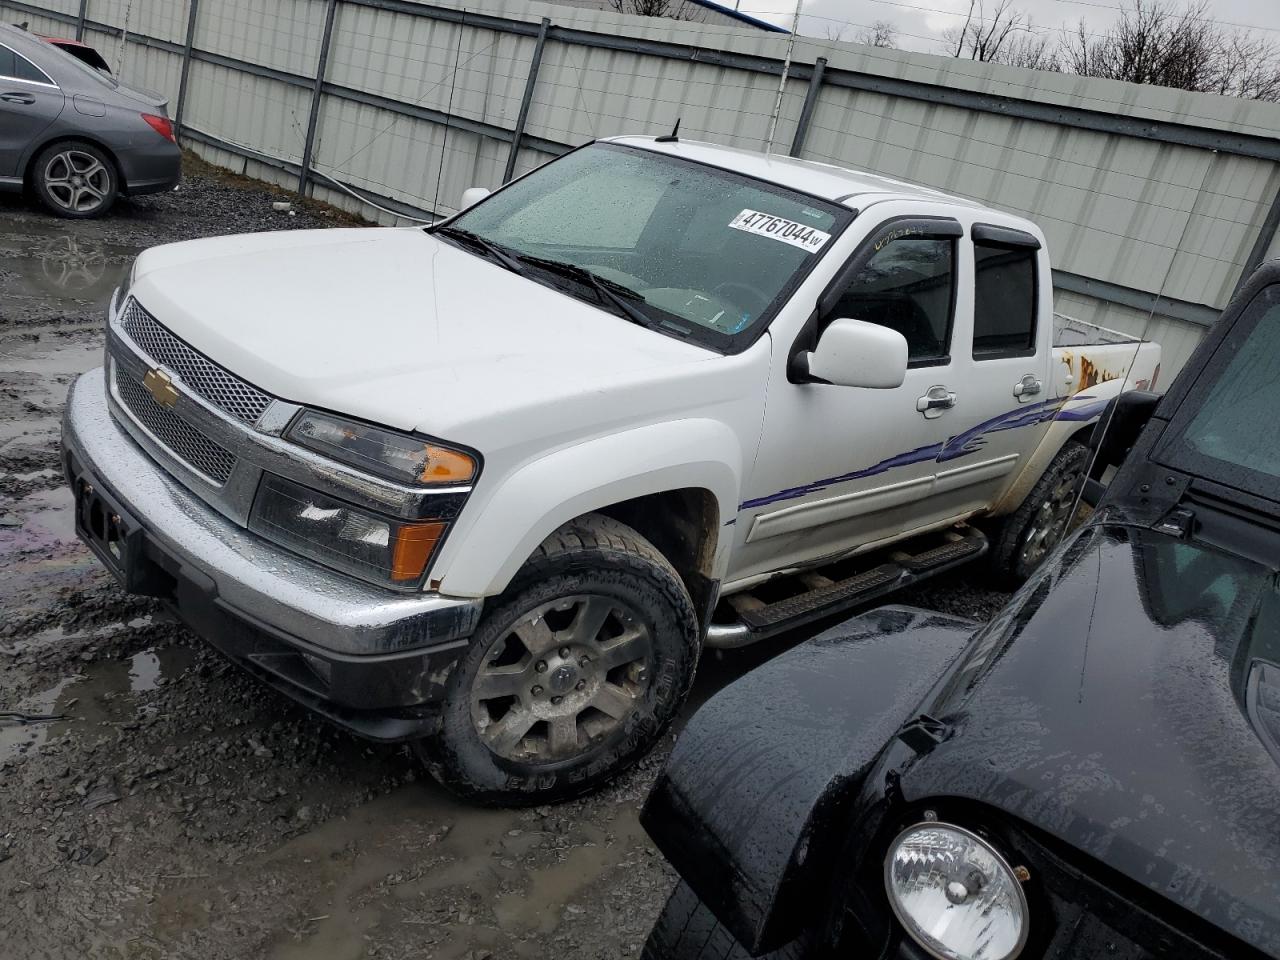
[[671, 9], [1154, 42], [881, 33], [1006, 35]]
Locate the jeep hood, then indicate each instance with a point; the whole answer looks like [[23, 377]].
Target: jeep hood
[[396, 327], [1125, 705]]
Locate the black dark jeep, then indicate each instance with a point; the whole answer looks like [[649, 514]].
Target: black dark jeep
[[1094, 773]]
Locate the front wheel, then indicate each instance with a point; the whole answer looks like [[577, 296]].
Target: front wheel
[[572, 675], [1030, 533]]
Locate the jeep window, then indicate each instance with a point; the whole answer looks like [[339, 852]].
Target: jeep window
[[1227, 429], [710, 254], [1004, 301]]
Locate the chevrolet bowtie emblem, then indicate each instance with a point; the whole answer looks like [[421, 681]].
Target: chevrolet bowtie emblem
[[160, 385]]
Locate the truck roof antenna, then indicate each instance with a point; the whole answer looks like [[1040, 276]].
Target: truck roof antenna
[[672, 137]]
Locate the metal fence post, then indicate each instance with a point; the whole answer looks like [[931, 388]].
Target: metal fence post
[[518, 133], [193, 9], [810, 101], [80, 19], [317, 92]]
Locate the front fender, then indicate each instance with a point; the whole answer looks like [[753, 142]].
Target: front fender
[[495, 536], [771, 763]]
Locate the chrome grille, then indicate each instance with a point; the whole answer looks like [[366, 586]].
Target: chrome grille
[[186, 442], [224, 390]]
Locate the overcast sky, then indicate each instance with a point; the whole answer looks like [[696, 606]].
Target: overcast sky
[[920, 23]]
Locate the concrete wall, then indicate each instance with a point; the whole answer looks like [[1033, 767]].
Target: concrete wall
[[1143, 191]]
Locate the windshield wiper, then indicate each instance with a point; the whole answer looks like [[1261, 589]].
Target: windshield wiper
[[488, 247], [621, 298]]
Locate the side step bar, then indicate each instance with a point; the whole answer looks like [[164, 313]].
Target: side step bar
[[758, 613]]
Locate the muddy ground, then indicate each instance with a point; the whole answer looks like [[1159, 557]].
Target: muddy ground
[[183, 811]]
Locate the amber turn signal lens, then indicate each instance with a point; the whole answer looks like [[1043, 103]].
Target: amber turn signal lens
[[415, 542], [447, 466]]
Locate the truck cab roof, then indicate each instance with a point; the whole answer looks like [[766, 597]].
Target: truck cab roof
[[852, 188]]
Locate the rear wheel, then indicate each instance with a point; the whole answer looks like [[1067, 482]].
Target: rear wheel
[[1030, 533], [573, 674], [688, 930], [75, 179]]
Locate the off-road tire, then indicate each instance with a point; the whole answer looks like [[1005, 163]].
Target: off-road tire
[[55, 197], [597, 556], [688, 930], [1010, 564]]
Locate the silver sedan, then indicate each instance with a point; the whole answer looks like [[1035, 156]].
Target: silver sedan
[[75, 137]]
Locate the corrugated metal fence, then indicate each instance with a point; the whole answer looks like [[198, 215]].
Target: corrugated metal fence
[[1153, 199]]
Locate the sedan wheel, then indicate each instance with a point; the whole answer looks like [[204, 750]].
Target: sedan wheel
[[75, 180]]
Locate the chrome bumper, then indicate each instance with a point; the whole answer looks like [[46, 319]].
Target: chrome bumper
[[254, 580]]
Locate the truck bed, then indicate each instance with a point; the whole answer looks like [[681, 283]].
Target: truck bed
[[1070, 332], [1094, 355]]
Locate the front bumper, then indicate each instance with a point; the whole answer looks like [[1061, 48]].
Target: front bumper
[[371, 660]]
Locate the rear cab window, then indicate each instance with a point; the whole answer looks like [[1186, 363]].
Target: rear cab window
[[1006, 288]]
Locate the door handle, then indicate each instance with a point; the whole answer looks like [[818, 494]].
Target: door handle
[[24, 98], [1028, 386], [937, 400]]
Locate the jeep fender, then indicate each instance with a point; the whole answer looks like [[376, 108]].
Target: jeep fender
[[496, 534], [755, 797]]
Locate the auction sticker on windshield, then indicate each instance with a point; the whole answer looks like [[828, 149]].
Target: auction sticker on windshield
[[776, 228]]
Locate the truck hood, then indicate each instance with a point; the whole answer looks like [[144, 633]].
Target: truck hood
[[396, 327], [1125, 711]]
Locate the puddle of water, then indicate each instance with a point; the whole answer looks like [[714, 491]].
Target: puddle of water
[[48, 518], [98, 696], [16, 738], [54, 264], [415, 863]]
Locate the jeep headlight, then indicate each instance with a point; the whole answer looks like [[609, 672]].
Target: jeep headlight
[[386, 453], [344, 537], [955, 895]]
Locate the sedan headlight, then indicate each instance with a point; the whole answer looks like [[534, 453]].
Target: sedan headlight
[[341, 536], [387, 453], [955, 895]]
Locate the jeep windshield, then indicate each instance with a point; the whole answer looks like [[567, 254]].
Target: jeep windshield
[[701, 252], [1226, 429]]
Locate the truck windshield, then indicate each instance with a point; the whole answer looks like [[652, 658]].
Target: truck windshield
[[1227, 429], [702, 252]]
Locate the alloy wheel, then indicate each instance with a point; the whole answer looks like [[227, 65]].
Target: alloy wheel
[[566, 675], [1049, 523], [77, 181]]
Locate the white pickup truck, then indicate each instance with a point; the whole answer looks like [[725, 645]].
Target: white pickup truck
[[491, 486]]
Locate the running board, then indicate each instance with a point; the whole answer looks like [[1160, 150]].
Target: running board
[[792, 601]]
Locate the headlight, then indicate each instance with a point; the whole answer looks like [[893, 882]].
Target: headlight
[[398, 456], [955, 895], [341, 536]]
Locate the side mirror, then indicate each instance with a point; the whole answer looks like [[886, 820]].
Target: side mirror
[[854, 353], [473, 195]]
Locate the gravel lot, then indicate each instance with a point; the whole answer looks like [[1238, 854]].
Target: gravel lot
[[184, 811]]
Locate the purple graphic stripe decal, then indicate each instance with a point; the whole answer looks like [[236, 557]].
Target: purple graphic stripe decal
[[961, 445]]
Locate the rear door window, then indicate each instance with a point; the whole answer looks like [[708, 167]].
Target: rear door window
[[24, 69], [17, 67], [1004, 301]]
